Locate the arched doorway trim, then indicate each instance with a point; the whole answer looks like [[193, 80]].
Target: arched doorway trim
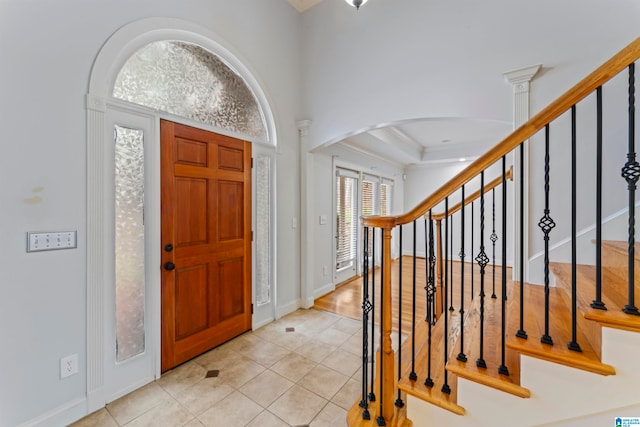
[[101, 108]]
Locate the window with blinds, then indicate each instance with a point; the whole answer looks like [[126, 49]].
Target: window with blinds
[[373, 197], [376, 200], [369, 198], [346, 218]]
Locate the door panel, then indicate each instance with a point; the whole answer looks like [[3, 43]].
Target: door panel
[[192, 312], [206, 217], [231, 298]]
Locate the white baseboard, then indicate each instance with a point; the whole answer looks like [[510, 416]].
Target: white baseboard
[[263, 323], [323, 290], [290, 307], [61, 416]]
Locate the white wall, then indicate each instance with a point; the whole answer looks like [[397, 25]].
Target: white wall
[[418, 59], [47, 52], [415, 58]]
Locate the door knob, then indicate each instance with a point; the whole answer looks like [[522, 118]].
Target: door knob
[[169, 266], [168, 247]]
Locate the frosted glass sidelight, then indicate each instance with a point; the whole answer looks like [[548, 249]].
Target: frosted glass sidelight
[[189, 81], [129, 242], [263, 221]]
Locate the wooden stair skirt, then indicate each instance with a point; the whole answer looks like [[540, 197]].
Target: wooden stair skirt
[[589, 335]]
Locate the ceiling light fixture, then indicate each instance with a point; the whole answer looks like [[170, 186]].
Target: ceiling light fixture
[[356, 3]]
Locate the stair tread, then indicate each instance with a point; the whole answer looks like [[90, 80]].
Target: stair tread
[[622, 247], [560, 332], [488, 376], [492, 356], [417, 388], [614, 294]]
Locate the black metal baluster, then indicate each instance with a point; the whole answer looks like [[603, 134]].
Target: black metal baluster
[[399, 403], [445, 387], [380, 420], [597, 302], [471, 258], [502, 369], [413, 376], [372, 393], [366, 309], [461, 356], [521, 332], [547, 224], [431, 285], [426, 268], [573, 344], [631, 173], [494, 239], [482, 262], [451, 267]]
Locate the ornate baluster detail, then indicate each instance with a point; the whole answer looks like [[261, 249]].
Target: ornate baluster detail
[[461, 356], [631, 173], [502, 369], [431, 289], [494, 239], [547, 224], [366, 309], [482, 260], [426, 269]]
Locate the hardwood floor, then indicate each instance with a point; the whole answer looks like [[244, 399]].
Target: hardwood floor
[[346, 300]]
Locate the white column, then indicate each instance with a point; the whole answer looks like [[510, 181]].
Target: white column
[[306, 216], [520, 79], [95, 251]]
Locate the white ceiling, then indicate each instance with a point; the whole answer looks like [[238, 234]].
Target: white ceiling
[[417, 142], [425, 141]]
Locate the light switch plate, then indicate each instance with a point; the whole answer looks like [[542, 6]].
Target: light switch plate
[[49, 241]]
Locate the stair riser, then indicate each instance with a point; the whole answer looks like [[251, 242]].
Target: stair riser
[[559, 393]]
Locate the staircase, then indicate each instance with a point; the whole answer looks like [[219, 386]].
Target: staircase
[[552, 385], [561, 353]]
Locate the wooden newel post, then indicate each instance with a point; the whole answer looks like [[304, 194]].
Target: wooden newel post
[[387, 382]]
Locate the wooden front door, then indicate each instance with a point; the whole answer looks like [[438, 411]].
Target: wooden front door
[[206, 240]]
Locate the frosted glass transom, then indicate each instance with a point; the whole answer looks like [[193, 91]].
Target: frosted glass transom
[[187, 80]]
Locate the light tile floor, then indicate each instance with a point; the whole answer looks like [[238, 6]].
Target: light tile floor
[[267, 378]]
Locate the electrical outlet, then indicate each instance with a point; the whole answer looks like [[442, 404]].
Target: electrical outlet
[[69, 365]]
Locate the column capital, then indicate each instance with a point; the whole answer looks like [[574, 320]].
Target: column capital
[[303, 127], [520, 78]]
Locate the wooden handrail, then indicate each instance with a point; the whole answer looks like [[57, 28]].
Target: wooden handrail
[[584, 88], [574, 95], [474, 196]]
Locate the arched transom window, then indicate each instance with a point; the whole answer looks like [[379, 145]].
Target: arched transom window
[[187, 80]]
